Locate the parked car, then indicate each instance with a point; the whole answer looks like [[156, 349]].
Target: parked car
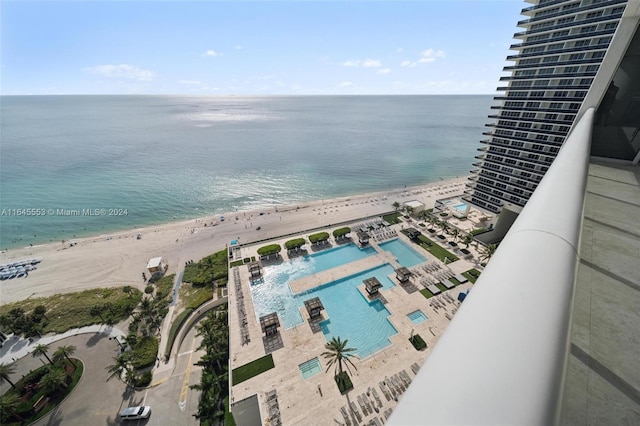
[[135, 413]]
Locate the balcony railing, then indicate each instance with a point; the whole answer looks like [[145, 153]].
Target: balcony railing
[[502, 358]]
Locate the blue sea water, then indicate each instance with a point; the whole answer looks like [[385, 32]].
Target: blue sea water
[[166, 158]]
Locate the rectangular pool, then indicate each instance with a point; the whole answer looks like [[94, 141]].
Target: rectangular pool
[[405, 255]]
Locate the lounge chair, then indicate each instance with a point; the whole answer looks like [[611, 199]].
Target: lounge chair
[[345, 415], [354, 408], [377, 398], [362, 406], [384, 391]]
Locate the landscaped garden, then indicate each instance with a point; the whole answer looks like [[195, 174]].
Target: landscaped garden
[[40, 391], [252, 369]]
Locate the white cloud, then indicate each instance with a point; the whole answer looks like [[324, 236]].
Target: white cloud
[[384, 71], [367, 63], [122, 71], [346, 84], [371, 63], [426, 60], [400, 50], [351, 64], [190, 82], [430, 53], [407, 64], [210, 53]]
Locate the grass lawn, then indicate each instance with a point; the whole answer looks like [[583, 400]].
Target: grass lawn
[[252, 369], [164, 286], [236, 263], [208, 269], [192, 296], [392, 218], [472, 275], [426, 293], [72, 310], [436, 250]]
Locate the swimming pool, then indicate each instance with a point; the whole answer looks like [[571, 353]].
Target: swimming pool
[[405, 255], [351, 316], [462, 207], [310, 368], [417, 317]]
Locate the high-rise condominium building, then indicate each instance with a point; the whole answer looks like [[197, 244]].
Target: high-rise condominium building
[[557, 57]]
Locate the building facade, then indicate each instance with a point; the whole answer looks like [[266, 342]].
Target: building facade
[[559, 53]]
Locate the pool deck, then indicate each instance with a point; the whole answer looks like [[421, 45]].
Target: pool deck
[[317, 400]]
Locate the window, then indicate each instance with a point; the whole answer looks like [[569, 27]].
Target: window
[[550, 59], [610, 25], [551, 116], [537, 94], [592, 68], [529, 115], [560, 94], [617, 10], [592, 15], [589, 29], [576, 56], [582, 43], [554, 47], [571, 69], [566, 20], [604, 40], [597, 55], [555, 105], [560, 33]]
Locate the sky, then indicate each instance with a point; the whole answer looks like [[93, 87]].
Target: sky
[[254, 47]]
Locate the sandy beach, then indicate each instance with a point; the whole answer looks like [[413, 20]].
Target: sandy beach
[[120, 258]]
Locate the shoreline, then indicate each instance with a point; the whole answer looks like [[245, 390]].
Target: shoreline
[[118, 258]]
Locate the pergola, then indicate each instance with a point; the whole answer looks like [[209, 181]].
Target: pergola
[[270, 323], [254, 269], [403, 274], [372, 285], [363, 237], [314, 306], [413, 233]]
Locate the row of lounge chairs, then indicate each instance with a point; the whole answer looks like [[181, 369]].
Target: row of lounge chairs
[[384, 234], [242, 313], [273, 408]]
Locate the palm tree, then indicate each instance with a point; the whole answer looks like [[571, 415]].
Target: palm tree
[[466, 240], [120, 366], [5, 371], [444, 227], [487, 252], [96, 311], [455, 233], [423, 215], [336, 352], [396, 205], [63, 352], [127, 289], [41, 349], [9, 404], [409, 210], [55, 379]]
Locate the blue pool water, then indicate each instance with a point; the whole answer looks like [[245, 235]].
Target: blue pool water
[[351, 316], [460, 207], [417, 317], [405, 255], [310, 368]]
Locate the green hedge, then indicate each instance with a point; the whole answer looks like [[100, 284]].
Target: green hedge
[[175, 326], [143, 380], [418, 342], [472, 275], [236, 263], [341, 231], [478, 231], [208, 269], [320, 236], [252, 369], [436, 250], [144, 352], [269, 249], [295, 243], [344, 382]]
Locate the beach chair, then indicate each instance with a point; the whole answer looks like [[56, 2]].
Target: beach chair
[[384, 391], [345, 415], [362, 406], [354, 408], [376, 397]]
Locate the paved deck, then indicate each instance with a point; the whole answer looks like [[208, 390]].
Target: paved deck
[[317, 399]]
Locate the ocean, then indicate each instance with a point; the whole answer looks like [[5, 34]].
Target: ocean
[[73, 166]]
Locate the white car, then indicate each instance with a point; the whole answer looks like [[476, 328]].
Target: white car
[[135, 413]]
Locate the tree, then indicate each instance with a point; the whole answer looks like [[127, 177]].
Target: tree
[[487, 252], [423, 215], [128, 289], [337, 352], [5, 371], [455, 233], [396, 205], [96, 311], [445, 227], [466, 240], [42, 349], [409, 210], [63, 352], [119, 367], [54, 380], [5, 321], [9, 404]]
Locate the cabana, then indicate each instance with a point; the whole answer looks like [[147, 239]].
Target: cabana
[[314, 307], [254, 269], [372, 285], [403, 274], [413, 233], [363, 237], [270, 323]]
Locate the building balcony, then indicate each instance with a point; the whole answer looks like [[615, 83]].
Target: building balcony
[[554, 75], [603, 18], [590, 7], [562, 38], [572, 49]]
